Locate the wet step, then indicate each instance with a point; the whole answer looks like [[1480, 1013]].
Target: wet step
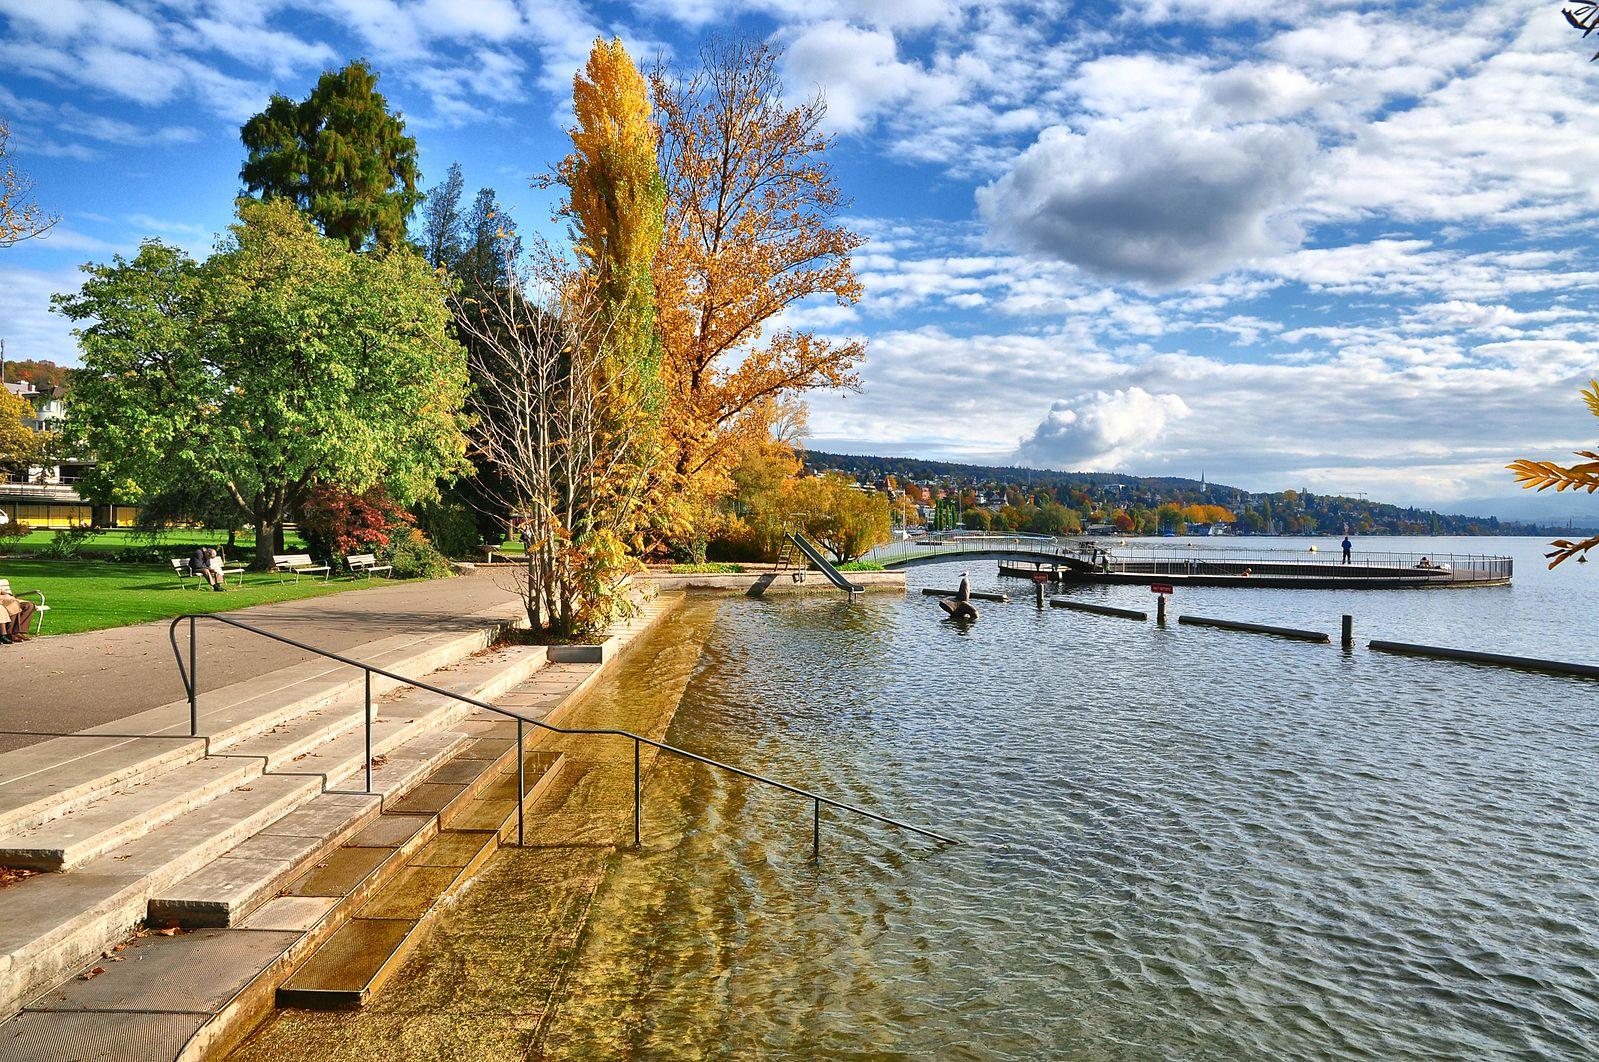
[[227, 889], [352, 966]]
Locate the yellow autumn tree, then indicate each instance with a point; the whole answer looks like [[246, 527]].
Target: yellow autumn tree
[[752, 228], [19, 444], [20, 217], [1541, 475], [615, 199]]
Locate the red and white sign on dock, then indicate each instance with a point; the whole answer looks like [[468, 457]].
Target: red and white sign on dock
[[1160, 588]]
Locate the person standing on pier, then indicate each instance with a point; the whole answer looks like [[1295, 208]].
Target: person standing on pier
[[1349, 548]]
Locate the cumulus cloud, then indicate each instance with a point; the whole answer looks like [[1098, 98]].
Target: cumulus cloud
[[859, 71], [1101, 429], [1151, 200]]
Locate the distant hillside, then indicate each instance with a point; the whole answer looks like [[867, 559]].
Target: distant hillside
[[40, 373], [1290, 512]]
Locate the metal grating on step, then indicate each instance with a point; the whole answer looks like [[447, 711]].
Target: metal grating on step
[[93, 1036]]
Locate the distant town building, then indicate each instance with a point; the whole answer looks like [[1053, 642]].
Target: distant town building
[[47, 495]]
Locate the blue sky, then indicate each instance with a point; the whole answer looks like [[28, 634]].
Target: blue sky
[[1339, 245]]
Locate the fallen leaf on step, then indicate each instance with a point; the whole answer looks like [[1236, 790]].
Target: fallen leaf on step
[[91, 974]]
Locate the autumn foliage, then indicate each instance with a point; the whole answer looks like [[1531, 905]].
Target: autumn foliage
[[751, 230], [21, 218], [1583, 476]]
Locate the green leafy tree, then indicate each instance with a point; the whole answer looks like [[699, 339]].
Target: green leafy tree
[[836, 513], [1053, 518], [282, 362], [975, 519], [339, 155]]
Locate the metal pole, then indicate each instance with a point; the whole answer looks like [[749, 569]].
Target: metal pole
[[638, 796], [1349, 632], [194, 687], [368, 673], [816, 830], [521, 784]]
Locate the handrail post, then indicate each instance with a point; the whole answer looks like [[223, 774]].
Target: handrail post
[[816, 830], [368, 673], [638, 797], [521, 786], [194, 687]]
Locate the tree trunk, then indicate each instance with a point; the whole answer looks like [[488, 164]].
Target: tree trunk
[[277, 537], [264, 544]]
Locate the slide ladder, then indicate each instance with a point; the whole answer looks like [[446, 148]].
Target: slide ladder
[[815, 556]]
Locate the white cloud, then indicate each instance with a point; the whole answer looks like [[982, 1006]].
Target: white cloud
[[1101, 429], [1152, 201], [859, 72]]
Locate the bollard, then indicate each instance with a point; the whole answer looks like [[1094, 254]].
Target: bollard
[[1349, 632], [1038, 594], [1160, 610]]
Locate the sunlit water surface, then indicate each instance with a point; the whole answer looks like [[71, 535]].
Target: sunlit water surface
[[1180, 843]]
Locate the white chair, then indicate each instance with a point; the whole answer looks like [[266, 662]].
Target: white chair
[[39, 610]]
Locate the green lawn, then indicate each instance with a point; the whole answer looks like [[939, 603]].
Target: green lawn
[[179, 541], [89, 595]]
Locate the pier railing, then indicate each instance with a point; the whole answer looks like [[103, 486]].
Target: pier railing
[[191, 686], [1194, 558], [1206, 560], [955, 545]]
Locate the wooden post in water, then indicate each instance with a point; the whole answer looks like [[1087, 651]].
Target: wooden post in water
[[1349, 632], [1160, 610]]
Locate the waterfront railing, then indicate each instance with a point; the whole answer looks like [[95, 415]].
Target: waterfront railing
[[191, 689]]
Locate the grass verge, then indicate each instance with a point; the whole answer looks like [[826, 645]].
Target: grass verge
[[90, 595]]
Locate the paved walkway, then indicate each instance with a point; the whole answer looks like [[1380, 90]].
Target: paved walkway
[[60, 685]]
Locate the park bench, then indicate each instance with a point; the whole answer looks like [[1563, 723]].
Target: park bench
[[366, 564], [300, 564], [180, 565]]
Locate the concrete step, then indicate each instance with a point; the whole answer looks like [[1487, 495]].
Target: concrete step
[[115, 818], [53, 777], [363, 953], [109, 893], [204, 1011], [56, 922], [417, 732], [330, 742], [228, 889]]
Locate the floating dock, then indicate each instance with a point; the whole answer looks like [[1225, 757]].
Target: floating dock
[[1268, 569]]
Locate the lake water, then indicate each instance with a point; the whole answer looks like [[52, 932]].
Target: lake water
[[1180, 843]]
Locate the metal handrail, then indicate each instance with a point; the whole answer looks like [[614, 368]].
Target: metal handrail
[[191, 687]]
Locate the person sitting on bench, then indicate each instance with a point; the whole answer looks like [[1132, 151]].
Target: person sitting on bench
[[202, 565], [15, 615]]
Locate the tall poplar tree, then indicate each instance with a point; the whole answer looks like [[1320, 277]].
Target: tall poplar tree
[[338, 155], [617, 202]]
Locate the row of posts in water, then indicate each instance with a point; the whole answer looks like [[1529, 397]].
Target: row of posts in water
[[1346, 637]]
